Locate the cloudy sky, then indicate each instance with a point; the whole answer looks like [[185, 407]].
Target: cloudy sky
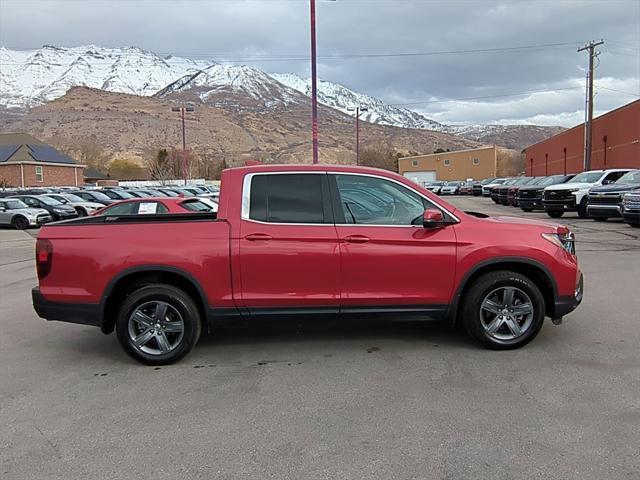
[[459, 50]]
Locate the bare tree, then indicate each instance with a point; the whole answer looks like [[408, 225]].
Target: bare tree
[[161, 166]]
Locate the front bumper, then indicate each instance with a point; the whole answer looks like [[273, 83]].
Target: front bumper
[[568, 205], [531, 203], [565, 305], [604, 210], [631, 216], [82, 313]]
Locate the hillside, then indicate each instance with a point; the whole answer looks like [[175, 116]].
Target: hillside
[[136, 127]]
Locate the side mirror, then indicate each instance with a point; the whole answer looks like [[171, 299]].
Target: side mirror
[[433, 218], [608, 182], [2, 209]]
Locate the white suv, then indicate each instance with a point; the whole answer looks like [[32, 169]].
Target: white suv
[[572, 196]]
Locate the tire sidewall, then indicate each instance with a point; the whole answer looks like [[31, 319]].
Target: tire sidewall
[[20, 219], [178, 299], [482, 288]]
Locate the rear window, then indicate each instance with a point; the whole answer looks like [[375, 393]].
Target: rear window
[[287, 198], [195, 205]]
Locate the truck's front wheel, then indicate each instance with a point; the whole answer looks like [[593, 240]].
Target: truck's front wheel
[[158, 324], [503, 310]]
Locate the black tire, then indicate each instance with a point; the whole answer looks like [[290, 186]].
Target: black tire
[[634, 224], [582, 209], [600, 219], [471, 308], [81, 212], [20, 223], [175, 298], [555, 213], [527, 210]]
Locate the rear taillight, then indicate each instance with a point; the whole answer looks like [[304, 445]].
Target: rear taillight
[[44, 255]]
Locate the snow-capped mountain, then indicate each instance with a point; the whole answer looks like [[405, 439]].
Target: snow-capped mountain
[[214, 84], [342, 98], [32, 77]]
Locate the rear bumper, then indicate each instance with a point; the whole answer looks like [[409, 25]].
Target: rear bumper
[[566, 305], [81, 313]]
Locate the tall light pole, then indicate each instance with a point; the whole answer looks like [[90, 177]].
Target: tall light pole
[[185, 166], [358, 110], [314, 82]]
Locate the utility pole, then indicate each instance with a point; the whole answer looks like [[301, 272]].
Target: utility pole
[[590, 47], [314, 82], [358, 110], [185, 165]]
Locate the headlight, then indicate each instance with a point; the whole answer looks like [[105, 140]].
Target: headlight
[[574, 190], [563, 238], [59, 210]]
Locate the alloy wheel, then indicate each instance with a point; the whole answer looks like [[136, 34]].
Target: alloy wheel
[[506, 313], [155, 328]]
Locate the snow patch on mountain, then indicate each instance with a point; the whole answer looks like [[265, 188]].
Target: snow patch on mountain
[[344, 99], [32, 77]]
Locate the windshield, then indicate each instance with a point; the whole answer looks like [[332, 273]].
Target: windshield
[[487, 181], [99, 195], [13, 204], [586, 177], [551, 180], [70, 197], [48, 200], [170, 193], [631, 177]]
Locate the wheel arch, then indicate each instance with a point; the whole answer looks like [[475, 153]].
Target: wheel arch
[[133, 278], [535, 271]]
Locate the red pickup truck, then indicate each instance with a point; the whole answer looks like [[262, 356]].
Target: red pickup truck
[[305, 240]]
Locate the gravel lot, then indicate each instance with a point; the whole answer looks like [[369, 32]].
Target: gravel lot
[[383, 400]]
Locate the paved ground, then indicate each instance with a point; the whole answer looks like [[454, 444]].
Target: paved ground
[[359, 401]]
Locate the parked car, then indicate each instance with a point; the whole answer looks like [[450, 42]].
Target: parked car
[[16, 213], [606, 201], [466, 188], [572, 196], [278, 223], [82, 207], [116, 194], [631, 208], [96, 196], [495, 190], [56, 209], [434, 187], [477, 187], [530, 196], [503, 190], [451, 188], [488, 188], [512, 193], [154, 205]]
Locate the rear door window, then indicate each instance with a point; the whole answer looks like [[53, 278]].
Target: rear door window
[[288, 198]]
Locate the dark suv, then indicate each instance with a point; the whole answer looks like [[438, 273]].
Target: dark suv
[[529, 197], [606, 201], [58, 210]]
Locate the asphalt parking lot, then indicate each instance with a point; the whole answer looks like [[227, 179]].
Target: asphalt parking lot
[[361, 400]]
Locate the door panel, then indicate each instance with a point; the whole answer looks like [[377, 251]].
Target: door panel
[[285, 262], [387, 257], [397, 265]]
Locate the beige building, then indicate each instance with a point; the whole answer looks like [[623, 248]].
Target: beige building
[[475, 163]]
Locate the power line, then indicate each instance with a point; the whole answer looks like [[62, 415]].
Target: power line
[[303, 57], [637, 94], [484, 97]]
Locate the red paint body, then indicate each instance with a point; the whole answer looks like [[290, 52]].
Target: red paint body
[[615, 144], [243, 265]]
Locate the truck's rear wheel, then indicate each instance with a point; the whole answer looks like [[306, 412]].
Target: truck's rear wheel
[[158, 324], [503, 310]]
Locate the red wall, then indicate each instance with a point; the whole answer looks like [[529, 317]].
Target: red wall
[[620, 126]]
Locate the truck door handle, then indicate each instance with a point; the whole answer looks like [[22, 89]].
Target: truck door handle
[[257, 236], [356, 239]]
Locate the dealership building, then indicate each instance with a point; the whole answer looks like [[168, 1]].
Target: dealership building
[[476, 163], [27, 162], [615, 144]]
